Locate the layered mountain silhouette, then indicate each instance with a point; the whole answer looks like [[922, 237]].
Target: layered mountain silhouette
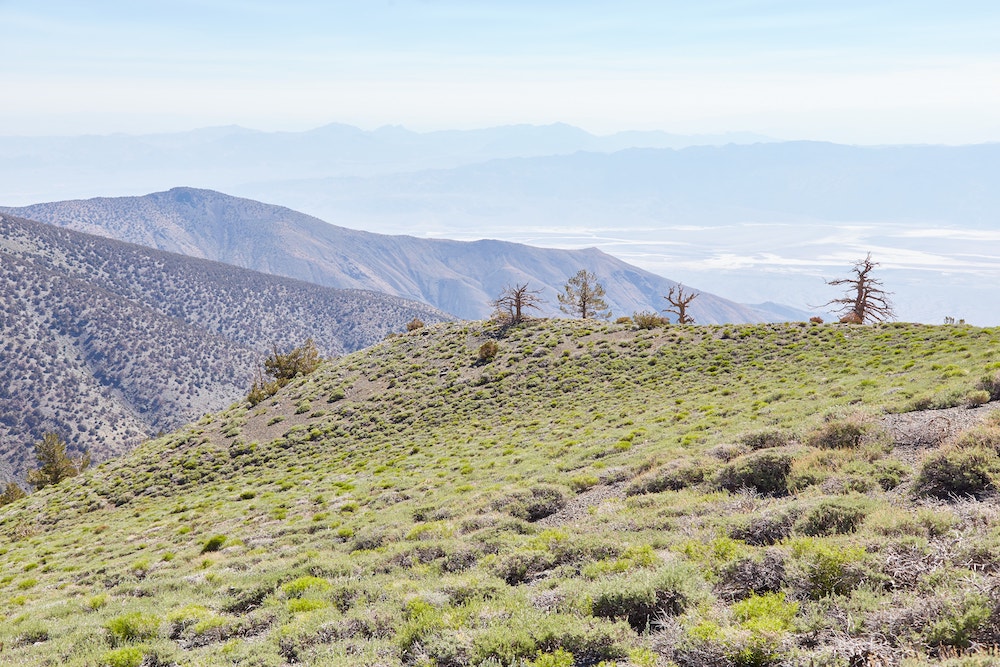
[[461, 278], [106, 342], [36, 169]]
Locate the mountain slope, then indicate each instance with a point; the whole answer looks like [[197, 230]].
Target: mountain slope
[[106, 342], [691, 495], [457, 277]]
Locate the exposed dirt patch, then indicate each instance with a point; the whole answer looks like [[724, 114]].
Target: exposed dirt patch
[[578, 509], [913, 432]]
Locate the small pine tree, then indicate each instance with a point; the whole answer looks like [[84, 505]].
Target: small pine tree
[[301, 360], [54, 464], [583, 296], [282, 369], [11, 493]]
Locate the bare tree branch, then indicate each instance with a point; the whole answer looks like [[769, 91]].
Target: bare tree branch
[[514, 301], [679, 301], [864, 300]]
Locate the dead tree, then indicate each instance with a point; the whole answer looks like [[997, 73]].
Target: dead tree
[[864, 300], [513, 302], [679, 301]]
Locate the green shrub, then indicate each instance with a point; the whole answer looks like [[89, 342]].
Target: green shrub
[[303, 585], [958, 626], [641, 597], [649, 320], [674, 476], [560, 658], [581, 483], [528, 634], [839, 434], [133, 626], [488, 351], [127, 656], [958, 471], [765, 472], [766, 439], [536, 503], [766, 613], [213, 543], [834, 517], [829, 568]]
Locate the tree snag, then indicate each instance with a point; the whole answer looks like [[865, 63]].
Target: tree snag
[[514, 301], [864, 300], [679, 301]]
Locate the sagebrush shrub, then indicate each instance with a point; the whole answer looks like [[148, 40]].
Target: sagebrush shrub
[[839, 434], [760, 531], [834, 517], [991, 385], [958, 471], [649, 320], [641, 598], [674, 476], [132, 627], [533, 504], [488, 351], [765, 472], [766, 439]]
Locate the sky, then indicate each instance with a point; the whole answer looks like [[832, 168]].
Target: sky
[[851, 71]]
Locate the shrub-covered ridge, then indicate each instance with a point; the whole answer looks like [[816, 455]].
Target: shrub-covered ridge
[[590, 492]]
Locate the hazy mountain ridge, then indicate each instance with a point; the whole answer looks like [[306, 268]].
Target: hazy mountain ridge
[[457, 277], [788, 181], [222, 157], [106, 342]]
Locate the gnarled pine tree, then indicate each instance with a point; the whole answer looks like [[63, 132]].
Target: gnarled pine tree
[[864, 300], [513, 303], [679, 302]]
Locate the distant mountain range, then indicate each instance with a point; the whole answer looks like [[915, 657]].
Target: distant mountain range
[[107, 342], [802, 182], [461, 278], [36, 169]]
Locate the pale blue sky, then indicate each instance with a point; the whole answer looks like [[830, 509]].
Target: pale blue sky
[[851, 71]]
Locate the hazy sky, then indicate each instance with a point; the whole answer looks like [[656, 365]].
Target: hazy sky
[[860, 71]]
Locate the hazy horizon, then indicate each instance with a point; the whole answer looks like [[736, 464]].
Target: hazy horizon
[[899, 72]]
